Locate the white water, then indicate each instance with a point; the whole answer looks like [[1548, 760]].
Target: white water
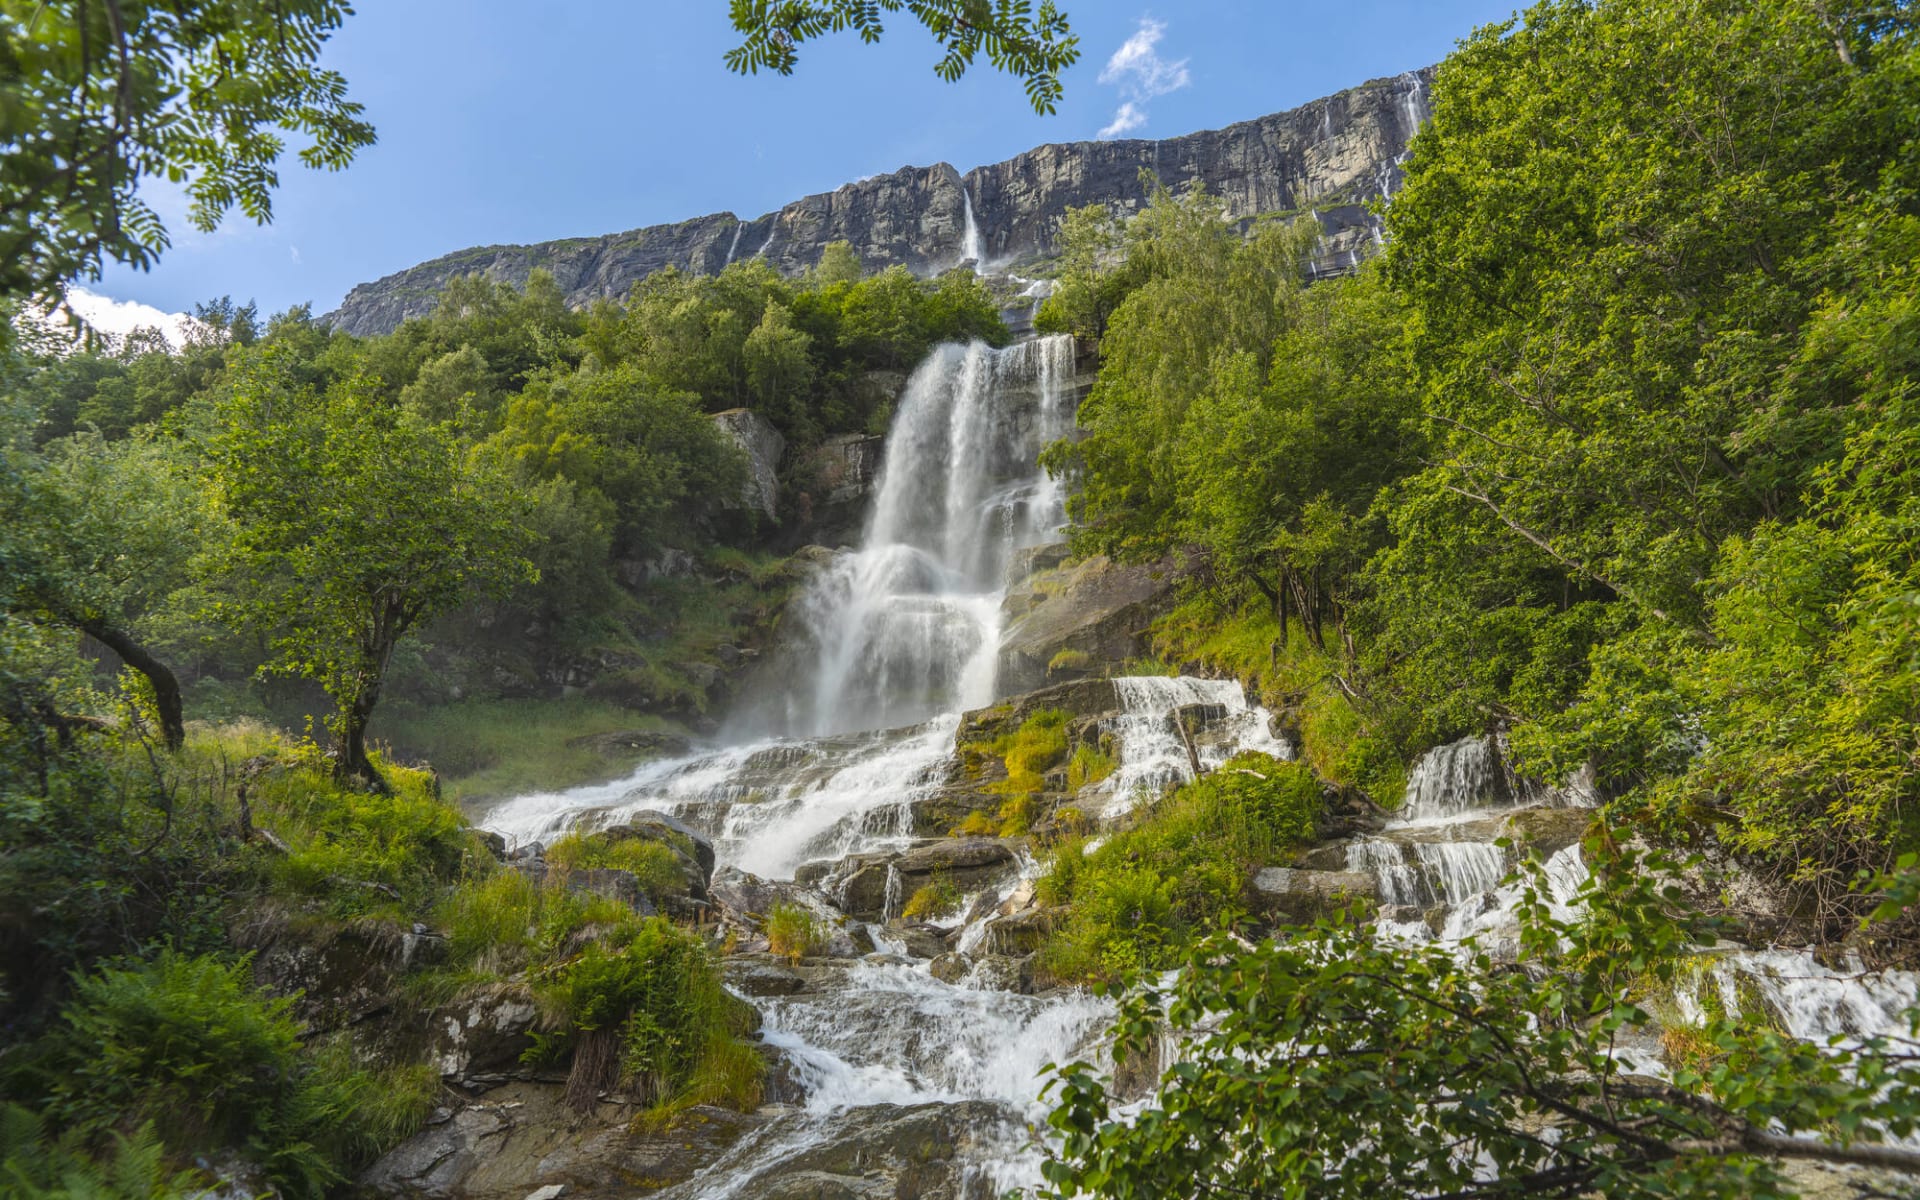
[[909, 626], [972, 248], [1153, 753], [734, 246]]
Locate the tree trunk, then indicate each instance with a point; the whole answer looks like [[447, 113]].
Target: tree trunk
[[353, 763], [166, 688]]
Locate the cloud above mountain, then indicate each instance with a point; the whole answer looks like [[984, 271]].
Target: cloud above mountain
[[1140, 73]]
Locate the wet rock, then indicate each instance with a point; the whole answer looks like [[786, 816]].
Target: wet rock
[[887, 1152], [1299, 897], [495, 844], [859, 884], [1031, 560], [1004, 973], [1327, 856], [522, 1138], [949, 968], [756, 977], [1082, 697], [1021, 933], [1546, 831]]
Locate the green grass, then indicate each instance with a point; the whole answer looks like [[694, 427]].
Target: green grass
[[932, 902], [793, 932], [486, 749]]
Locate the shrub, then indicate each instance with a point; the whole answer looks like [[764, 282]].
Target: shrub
[[185, 1047], [1089, 765], [794, 932], [650, 1014], [937, 899], [656, 867], [1146, 892], [1069, 660], [1029, 753], [34, 1165]]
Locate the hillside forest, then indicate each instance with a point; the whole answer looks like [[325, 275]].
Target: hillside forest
[[1611, 451]]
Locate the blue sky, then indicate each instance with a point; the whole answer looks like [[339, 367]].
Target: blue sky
[[512, 122]]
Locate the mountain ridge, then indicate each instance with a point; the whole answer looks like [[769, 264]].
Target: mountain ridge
[[1333, 156]]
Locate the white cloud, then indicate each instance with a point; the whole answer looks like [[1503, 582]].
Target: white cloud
[[1137, 68], [1126, 119], [121, 317], [295, 252]]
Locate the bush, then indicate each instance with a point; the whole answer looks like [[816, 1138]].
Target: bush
[[656, 867], [649, 1013], [184, 1046], [1145, 893], [1089, 765], [37, 1166], [794, 932]]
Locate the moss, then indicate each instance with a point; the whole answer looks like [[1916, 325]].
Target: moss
[[1069, 660], [1089, 765], [936, 900], [654, 866]]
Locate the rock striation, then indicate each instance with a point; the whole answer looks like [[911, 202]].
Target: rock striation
[[1329, 158]]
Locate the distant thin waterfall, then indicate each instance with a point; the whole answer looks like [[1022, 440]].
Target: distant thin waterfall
[[909, 625], [972, 249], [733, 247]]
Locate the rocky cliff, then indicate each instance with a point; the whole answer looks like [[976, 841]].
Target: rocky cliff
[[1329, 157]]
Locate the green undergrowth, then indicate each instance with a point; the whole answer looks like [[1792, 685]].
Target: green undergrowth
[[1038, 746], [171, 1061], [492, 748], [644, 1010], [793, 932], [1184, 866], [937, 899], [655, 867], [1345, 741]]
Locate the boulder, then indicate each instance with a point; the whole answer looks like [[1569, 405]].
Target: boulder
[[1299, 897], [949, 968], [522, 1139], [762, 976], [1546, 831], [609, 883], [671, 831], [858, 885], [763, 445], [480, 1037], [338, 973], [1020, 933], [1095, 607]]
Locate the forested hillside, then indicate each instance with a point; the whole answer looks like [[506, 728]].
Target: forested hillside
[[1522, 628]]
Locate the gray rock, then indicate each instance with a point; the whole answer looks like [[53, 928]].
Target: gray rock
[[763, 445], [1546, 831], [1330, 156], [760, 977], [1094, 607], [1300, 897]]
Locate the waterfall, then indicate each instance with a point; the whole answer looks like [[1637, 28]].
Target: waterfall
[[972, 249], [909, 626], [1154, 750], [734, 246], [1453, 780], [773, 231]]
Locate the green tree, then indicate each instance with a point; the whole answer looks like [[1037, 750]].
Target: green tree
[[355, 520], [100, 95], [1341, 1064], [1036, 46]]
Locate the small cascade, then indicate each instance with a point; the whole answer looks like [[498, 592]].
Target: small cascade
[[773, 231], [1157, 752], [733, 247], [1428, 873], [891, 899], [1804, 997], [1454, 780], [893, 1035], [972, 248]]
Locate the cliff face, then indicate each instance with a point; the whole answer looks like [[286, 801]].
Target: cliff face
[[1331, 156]]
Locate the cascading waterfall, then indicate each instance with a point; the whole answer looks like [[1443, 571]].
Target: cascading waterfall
[[733, 247], [909, 626], [1154, 749]]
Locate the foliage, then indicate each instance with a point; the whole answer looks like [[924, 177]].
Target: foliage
[[656, 999], [1029, 752], [1036, 46], [184, 1047], [1089, 765], [654, 866], [37, 1166], [794, 932], [1181, 869], [492, 748], [102, 96], [353, 523], [1445, 1066], [937, 899]]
